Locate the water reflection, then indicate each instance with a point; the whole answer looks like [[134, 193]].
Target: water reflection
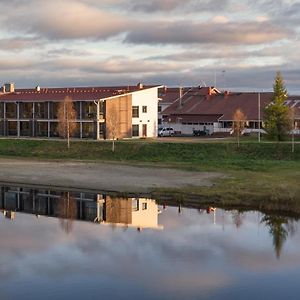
[[94, 243], [69, 206], [279, 228], [67, 211]]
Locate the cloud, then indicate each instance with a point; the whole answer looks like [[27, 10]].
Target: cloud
[[217, 53], [19, 43], [64, 20], [169, 5], [208, 33], [91, 42]]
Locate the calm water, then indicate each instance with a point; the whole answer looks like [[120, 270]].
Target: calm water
[[58, 245]]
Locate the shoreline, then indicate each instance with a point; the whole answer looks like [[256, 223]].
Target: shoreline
[[101, 176], [240, 190]]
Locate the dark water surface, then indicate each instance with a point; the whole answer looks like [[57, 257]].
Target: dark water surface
[[59, 245]]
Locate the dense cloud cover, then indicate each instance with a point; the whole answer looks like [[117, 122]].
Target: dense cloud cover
[[87, 42]]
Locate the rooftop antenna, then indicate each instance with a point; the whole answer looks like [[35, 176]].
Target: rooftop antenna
[[215, 79], [180, 96], [223, 75], [203, 83]]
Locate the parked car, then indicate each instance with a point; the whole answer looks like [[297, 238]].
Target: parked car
[[168, 131], [200, 132]]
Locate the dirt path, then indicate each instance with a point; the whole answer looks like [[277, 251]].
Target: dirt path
[[99, 176]]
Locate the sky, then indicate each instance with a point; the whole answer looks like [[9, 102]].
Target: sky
[[235, 44]]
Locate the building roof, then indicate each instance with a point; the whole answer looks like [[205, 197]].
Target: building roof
[[294, 102], [223, 105], [170, 95], [76, 93]]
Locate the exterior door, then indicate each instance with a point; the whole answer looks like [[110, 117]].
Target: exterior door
[[144, 130]]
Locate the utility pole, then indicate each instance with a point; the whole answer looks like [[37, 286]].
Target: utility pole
[[293, 130], [97, 119], [259, 117]]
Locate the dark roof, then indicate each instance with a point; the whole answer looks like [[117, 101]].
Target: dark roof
[[170, 95], [219, 104], [76, 93], [294, 102]]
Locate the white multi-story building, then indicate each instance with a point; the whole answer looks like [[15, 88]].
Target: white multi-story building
[[101, 112]]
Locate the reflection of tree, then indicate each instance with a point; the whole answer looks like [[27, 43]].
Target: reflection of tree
[[237, 218], [67, 211], [279, 228]]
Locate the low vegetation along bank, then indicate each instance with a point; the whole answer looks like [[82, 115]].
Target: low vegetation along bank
[[265, 175]]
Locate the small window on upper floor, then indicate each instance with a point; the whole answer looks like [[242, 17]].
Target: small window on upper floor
[[144, 109], [135, 111]]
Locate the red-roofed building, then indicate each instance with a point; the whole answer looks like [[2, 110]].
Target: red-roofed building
[[207, 109], [33, 112]]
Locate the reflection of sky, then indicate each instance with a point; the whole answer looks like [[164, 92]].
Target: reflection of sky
[[191, 258]]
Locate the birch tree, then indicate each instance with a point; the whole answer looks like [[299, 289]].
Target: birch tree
[[113, 125], [66, 114], [67, 211], [239, 120]]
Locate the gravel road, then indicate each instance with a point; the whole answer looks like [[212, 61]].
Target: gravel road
[[99, 176]]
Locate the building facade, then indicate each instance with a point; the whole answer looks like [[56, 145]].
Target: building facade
[[208, 110], [101, 112]]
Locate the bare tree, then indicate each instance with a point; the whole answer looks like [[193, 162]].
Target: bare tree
[[112, 124], [66, 114], [67, 211], [239, 120], [237, 218]]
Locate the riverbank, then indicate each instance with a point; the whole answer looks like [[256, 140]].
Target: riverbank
[[97, 176], [263, 175]]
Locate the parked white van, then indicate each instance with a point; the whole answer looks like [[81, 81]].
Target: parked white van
[[168, 131]]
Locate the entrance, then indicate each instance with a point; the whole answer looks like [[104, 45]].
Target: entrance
[[144, 130]]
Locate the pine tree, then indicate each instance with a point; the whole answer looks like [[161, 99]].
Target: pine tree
[[277, 120]]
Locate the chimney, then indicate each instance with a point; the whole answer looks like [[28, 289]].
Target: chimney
[[140, 86], [9, 88], [38, 88]]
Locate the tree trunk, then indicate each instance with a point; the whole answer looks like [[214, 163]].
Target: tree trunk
[[113, 145], [68, 133]]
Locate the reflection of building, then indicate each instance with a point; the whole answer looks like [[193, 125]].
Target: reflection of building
[[33, 112], [129, 212], [135, 212]]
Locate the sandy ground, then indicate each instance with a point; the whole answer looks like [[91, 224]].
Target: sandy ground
[[99, 176]]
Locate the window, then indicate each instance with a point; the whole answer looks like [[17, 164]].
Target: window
[[144, 109], [135, 111], [159, 108], [41, 110], [144, 206], [25, 110], [2, 110], [135, 204], [11, 110], [135, 130], [89, 110]]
